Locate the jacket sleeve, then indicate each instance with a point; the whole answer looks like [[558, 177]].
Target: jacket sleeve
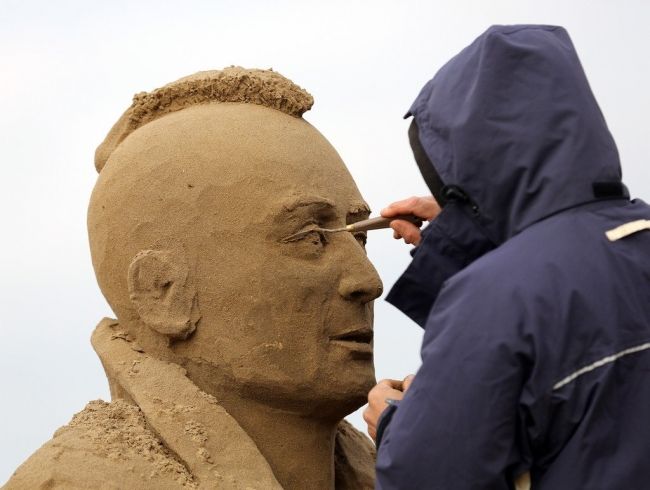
[[458, 426]]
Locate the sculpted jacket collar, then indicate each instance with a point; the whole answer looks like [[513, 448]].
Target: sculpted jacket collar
[[192, 424]]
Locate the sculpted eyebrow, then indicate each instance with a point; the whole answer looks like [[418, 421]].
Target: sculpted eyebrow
[[357, 212], [318, 202], [359, 208]]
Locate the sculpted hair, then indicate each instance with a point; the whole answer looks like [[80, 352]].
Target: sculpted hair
[[232, 84]]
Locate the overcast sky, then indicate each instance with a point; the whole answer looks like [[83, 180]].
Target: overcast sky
[[70, 68]]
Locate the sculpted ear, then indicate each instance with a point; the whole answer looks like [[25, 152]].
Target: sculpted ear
[[162, 293]]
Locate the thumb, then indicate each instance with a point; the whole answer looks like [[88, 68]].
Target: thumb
[[406, 384]]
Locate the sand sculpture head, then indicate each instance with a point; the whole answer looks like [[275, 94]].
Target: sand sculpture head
[[200, 181]]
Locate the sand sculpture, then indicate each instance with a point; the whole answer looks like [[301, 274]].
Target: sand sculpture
[[235, 355]]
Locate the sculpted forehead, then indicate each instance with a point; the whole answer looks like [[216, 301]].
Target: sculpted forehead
[[235, 146]]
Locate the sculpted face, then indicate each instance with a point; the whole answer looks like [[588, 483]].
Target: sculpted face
[[209, 194]]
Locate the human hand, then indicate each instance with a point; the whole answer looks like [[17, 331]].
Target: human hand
[[386, 389], [424, 207]]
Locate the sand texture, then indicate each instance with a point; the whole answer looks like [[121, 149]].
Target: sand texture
[[232, 84], [354, 459], [107, 445], [236, 353], [175, 437]]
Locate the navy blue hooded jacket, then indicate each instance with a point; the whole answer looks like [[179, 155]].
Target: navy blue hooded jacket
[[536, 351]]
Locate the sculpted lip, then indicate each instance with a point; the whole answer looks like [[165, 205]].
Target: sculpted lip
[[358, 339]]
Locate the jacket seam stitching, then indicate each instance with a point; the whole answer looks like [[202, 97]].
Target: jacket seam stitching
[[600, 363]]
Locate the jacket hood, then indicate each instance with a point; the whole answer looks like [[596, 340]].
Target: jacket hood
[[511, 120]]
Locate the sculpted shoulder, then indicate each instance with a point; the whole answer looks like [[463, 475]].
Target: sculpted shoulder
[[106, 445], [169, 434]]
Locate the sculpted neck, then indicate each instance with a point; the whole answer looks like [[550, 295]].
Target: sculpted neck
[[299, 450]]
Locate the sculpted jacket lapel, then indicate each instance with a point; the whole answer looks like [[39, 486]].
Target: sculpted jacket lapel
[[191, 423], [199, 431]]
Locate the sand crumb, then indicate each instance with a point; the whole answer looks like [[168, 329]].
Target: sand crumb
[[196, 431], [118, 430], [232, 84]]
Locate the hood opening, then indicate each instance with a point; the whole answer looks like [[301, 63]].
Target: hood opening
[[512, 122]]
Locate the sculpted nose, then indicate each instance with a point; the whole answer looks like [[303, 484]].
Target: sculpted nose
[[360, 282]]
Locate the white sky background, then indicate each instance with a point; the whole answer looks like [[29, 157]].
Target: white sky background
[[68, 69]]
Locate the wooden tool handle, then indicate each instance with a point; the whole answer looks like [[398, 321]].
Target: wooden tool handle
[[381, 222]]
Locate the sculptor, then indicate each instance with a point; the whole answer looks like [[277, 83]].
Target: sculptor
[[235, 354]]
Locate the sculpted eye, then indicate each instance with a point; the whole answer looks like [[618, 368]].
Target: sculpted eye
[[313, 234], [316, 237]]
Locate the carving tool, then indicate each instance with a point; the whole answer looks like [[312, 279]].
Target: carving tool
[[377, 223]]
